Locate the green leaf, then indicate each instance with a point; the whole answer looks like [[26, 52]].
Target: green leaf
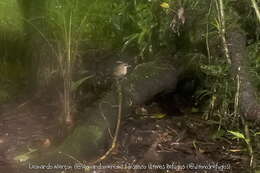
[[213, 70], [165, 5], [247, 141], [237, 134], [257, 133], [130, 39], [141, 37], [158, 116], [24, 157], [76, 84]]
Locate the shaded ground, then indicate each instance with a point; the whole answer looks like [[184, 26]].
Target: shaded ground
[[178, 144], [27, 124], [145, 144]]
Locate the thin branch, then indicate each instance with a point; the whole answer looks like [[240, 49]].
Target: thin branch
[[256, 9], [113, 145], [105, 119], [207, 34], [222, 29]]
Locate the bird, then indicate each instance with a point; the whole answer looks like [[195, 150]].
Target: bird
[[120, 70]]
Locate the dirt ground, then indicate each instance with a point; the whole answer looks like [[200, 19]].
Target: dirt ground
[[171, 144]]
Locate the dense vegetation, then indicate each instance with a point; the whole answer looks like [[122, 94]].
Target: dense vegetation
[[42, 41]]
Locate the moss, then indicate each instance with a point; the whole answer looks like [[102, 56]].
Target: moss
[[84, 140], [148, 70]]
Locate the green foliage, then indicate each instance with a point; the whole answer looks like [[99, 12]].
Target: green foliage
[[78, 83], [238, 135], [146, 24], [54, 33], [148, 27], [213, 70], [246, 138], [10, 16], [12, 64]]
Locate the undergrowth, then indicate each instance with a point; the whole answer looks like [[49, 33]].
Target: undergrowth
[[48, 38]]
